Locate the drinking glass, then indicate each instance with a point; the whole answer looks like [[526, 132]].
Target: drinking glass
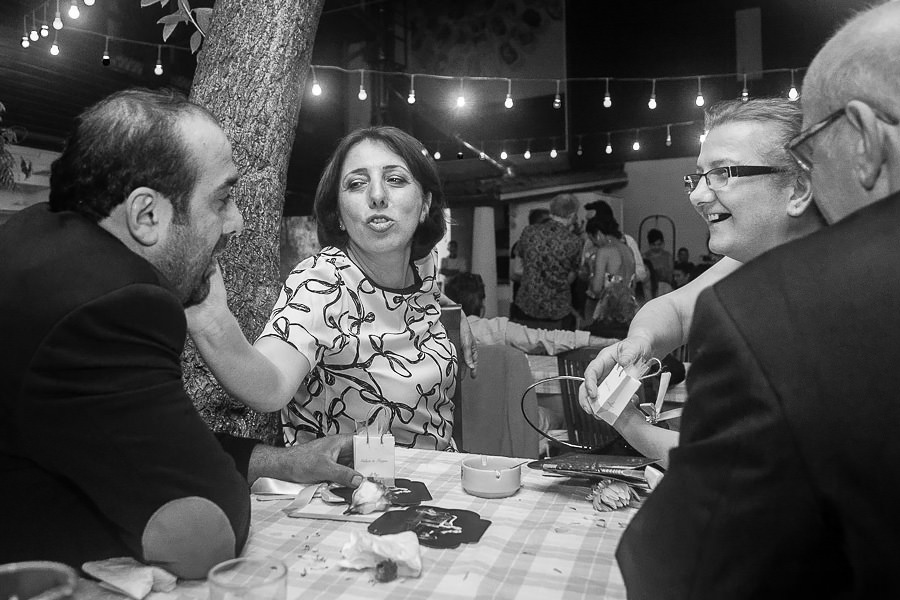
[[33, 579], [248, 578]]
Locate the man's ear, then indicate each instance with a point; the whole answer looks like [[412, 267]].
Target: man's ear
[[146, 212], [802, 196], [869, 150]]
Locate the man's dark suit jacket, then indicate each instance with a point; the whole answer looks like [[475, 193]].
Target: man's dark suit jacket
[[102, 453], [786, 482]]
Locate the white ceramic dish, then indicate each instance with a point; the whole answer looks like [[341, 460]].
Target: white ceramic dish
[[491, 476]]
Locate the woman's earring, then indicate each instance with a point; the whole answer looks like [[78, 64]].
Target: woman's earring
[[341, 225]]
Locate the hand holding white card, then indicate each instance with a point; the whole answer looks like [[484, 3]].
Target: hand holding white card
[[613, 394]]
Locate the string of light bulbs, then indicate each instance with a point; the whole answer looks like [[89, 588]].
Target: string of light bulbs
[[461, 101], [505, 145]]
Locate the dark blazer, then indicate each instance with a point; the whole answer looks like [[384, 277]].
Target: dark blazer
[[786, 480], [102, 453]]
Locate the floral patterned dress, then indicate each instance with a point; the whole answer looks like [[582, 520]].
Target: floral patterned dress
[[374, 352]]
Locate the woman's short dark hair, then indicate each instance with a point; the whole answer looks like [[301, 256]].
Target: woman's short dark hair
[[420, 164], [127, 140]]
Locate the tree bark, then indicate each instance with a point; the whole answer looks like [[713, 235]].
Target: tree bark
[[251, 73]]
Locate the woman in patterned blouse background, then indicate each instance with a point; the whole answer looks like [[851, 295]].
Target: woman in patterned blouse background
[[355, 333]]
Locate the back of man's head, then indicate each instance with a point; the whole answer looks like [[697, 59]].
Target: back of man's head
[[654, 235], [564, 205], [856, 71], [127, 140], [467, 290]]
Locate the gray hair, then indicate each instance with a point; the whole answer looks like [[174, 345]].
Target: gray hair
[[784, 118], [564, 205], [860, 62]]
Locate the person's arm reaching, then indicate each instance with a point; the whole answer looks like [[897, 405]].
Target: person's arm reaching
[[501, 330], [322, 459], [658, 328], [265, 375], [649, 440]]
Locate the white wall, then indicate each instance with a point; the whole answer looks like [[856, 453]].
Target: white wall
[[655, 187]]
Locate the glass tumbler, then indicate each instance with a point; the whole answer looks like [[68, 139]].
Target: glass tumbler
[[248, 578]]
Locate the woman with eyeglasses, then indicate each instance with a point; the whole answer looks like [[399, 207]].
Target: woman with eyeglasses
[[753, 197]]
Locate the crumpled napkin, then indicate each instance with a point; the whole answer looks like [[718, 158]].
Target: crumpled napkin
[[267, 486], [130, 577], [365, 551]]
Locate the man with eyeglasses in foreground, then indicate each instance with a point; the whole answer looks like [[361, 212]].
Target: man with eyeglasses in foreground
[[753, 197], [784, 484]]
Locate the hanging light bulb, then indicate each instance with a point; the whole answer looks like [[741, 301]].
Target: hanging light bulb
[[745, 94], [412, 90], [652, 102], [668, 135], [57, 22], [553, 153], [608, 144], [580, 150], [54, 49], [158, 69], [316, 88], [459, 155], [437, 154], [793, 94], [703, 136], [699, 101], [607, 100], [88, 2], [637, 143], [508, 103], [25, 42], [527, 155], [45, 29], [461, 99], [503, 154], [34, 35], [74, 13], [362, 95], [105, 59], [557, 99]]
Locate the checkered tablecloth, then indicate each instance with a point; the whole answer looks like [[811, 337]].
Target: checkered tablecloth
[[544, 542]]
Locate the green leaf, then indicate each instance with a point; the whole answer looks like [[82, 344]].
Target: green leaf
[[203, 16], [174, 18], [168, 28], [163, 3], [145, 3], [196, 40]]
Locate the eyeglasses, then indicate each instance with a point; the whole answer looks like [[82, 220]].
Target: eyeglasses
[[799, 147], [717, 178]]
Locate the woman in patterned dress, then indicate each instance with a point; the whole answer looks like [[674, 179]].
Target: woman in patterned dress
[[355, 333]]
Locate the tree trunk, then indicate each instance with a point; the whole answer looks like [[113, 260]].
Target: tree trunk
[[251, 74]]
